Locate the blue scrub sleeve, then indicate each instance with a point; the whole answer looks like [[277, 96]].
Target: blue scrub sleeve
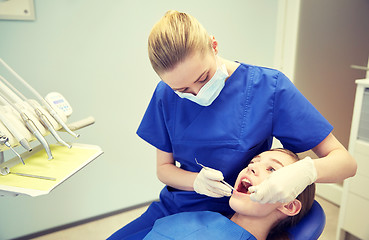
[[296, 122], [153, 128]]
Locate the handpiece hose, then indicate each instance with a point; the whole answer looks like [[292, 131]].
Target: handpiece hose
[[49, 108]]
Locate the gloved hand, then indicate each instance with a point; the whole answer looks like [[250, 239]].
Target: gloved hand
[[286, 183], [208, 183]]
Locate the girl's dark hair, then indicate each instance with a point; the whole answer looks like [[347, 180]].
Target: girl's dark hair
[[279, 232]]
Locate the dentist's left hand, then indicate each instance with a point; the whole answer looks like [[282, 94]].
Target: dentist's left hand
[[208, 183], [286, 183]]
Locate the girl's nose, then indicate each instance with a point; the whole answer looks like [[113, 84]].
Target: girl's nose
[[253, 169]]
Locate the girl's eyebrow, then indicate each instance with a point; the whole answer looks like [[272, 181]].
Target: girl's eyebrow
[[271, 159], [179, 89], [277, 161]]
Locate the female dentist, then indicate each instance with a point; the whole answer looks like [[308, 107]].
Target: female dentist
[[223, 113]]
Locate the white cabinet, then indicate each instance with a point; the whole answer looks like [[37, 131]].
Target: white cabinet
[[354, 211]]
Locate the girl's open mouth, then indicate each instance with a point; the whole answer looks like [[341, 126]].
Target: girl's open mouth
[[243, 186]]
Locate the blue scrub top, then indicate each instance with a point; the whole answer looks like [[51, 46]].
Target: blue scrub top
[[256, 104], [197, 225]]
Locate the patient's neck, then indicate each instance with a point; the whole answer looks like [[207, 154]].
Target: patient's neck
[[259, 227]]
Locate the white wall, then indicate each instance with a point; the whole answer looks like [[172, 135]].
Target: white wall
[[333, 34], [95, 54], [317, 42]]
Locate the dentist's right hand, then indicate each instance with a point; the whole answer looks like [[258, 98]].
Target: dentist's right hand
[[208, 183]]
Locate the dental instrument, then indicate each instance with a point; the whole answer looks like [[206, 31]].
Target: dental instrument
[[41, 115], [5, 171], [16, 132], [30, 125], [49, 126], [4, 140], [222, 181], [23, 120], [43, 101], [16, 105], [22, 102], [228, 185]]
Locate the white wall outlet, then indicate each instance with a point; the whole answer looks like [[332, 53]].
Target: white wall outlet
[[17, 9]]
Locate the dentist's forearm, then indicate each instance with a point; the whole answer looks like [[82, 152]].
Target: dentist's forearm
[[335, 163], [171, 175], [335, 167], [178, 178]]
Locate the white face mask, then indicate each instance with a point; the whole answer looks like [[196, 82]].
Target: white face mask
[[210, 91]]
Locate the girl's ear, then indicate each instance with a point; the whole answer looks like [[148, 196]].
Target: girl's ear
[[292, 208], [214, 44]]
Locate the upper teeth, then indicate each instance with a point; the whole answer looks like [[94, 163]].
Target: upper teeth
[[246, 180]]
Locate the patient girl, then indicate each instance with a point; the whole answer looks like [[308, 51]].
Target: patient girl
[[252, 220]]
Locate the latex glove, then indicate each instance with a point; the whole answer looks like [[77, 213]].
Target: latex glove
[[286, 183], [208, 183]]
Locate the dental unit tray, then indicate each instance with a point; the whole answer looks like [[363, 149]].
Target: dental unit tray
[[66, 163], [23, 120]]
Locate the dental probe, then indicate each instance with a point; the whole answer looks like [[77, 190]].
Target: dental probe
[[43, 101], [45, 121], [4, 140], [5, 171], [31, 127], [222, 181], [228, 185]]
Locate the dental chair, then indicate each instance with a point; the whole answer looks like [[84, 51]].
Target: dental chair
[[311, 226]]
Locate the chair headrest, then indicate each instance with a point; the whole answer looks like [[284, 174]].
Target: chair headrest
[[311, 225]]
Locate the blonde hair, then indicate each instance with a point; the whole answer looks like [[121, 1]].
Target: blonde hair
[[173, 38]]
